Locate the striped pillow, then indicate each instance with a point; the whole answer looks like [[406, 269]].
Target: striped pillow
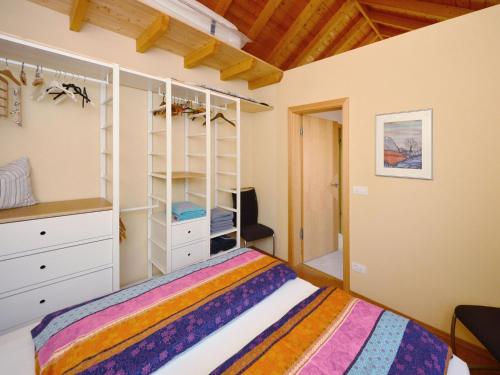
[[15, 185]]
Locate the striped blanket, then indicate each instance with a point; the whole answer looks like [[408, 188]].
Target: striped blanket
[[139, 329], [331, 333]]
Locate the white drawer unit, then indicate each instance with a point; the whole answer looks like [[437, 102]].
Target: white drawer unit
[[54, 261], [36, 303], [36, 234], [189, 254], [29, 270], [193, 230]]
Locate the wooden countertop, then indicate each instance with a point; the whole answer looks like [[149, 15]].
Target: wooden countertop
[[52, 209]]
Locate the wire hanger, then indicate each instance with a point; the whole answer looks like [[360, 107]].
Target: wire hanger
[[7, 73]]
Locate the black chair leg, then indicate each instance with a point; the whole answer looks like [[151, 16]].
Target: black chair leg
[[274, 244], [452, 334]]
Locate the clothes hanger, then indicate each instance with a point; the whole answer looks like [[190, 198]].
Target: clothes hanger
[[221, 116], [7, 73], [22, 75]]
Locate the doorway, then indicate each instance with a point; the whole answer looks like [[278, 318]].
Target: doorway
[[318, 188]]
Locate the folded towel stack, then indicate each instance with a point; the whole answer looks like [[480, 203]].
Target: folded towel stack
[[187, 210], [220, 220]]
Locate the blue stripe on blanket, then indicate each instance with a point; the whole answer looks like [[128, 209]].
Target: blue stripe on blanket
[[380, 350]]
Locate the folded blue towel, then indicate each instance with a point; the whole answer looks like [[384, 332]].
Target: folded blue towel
[[187, 210], [219, 214], [219, 227]]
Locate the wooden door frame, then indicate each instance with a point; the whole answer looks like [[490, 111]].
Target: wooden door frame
[[295, 176]]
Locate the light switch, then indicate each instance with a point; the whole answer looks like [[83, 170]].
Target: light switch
[[360, 190]]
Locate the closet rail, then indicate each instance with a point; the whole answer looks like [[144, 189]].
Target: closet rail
[[8, 61]]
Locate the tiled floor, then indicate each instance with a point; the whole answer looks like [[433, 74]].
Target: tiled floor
[[331, 263]]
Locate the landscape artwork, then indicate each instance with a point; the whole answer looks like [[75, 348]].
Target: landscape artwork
[[404, 144]]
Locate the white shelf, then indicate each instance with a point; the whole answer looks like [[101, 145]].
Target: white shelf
[[224, 173], [160, 244], [226, 138], [159, 218], [228, 208], [188, 221], [232, 156], [158, 199], [222, 233], [230, 191]]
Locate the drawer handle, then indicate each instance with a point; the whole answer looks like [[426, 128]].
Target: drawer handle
[[189, 254], [42, 301], [43, 233], [189, 231], [43, 266]]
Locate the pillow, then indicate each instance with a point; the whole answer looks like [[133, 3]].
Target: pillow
[[15, 185]]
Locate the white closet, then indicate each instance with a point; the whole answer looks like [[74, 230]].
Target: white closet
[[56, 254]]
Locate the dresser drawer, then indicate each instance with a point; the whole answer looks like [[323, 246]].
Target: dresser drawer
[[33, 269], [35, 234], [189, 254], [183, 233], [34, 304]]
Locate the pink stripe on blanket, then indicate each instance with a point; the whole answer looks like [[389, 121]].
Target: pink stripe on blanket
[[337, 353], [103, 318]]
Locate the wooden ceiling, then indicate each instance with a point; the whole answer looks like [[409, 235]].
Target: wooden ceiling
[[290, 33]]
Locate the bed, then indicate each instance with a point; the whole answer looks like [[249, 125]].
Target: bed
[[240, 312]]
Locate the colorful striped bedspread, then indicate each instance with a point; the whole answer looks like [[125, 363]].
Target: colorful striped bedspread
[[139, 329]]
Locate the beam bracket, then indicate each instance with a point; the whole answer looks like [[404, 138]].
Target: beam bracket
[[154, 32], [196, 57], [77, 14], [233, 71]]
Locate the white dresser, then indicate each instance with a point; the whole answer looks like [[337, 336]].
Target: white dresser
[[53, 255]]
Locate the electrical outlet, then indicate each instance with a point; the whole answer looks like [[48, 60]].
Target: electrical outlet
[[357, 267], [360, 190]]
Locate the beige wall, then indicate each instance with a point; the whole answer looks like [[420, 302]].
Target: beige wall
[[63, 142], [428, 245]]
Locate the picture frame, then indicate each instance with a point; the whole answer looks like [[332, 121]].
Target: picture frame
[[404, 144]]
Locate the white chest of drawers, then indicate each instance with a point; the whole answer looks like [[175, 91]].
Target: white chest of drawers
[[53, 262]]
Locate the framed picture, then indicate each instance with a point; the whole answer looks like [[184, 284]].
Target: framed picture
[[404, 144]]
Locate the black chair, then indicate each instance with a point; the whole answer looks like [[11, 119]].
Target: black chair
[[251, 230], [484, 323]]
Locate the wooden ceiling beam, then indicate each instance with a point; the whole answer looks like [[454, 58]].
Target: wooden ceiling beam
[[196, 57], [397, 22], [370, 38], [346, 41], [233, 71], [77, 14], [275, 56], [388, 32], [365, 14], [222, 6], [265, 81], [439, 12], [265, 14], [318, 44], [152, 33]]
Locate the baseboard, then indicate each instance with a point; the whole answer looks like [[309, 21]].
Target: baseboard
[[462, 345]]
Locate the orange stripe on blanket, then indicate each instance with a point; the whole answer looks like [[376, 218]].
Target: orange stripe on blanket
[[121, 334], [285, 347]]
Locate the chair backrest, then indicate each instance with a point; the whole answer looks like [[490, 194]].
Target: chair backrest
[[249, 206]]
